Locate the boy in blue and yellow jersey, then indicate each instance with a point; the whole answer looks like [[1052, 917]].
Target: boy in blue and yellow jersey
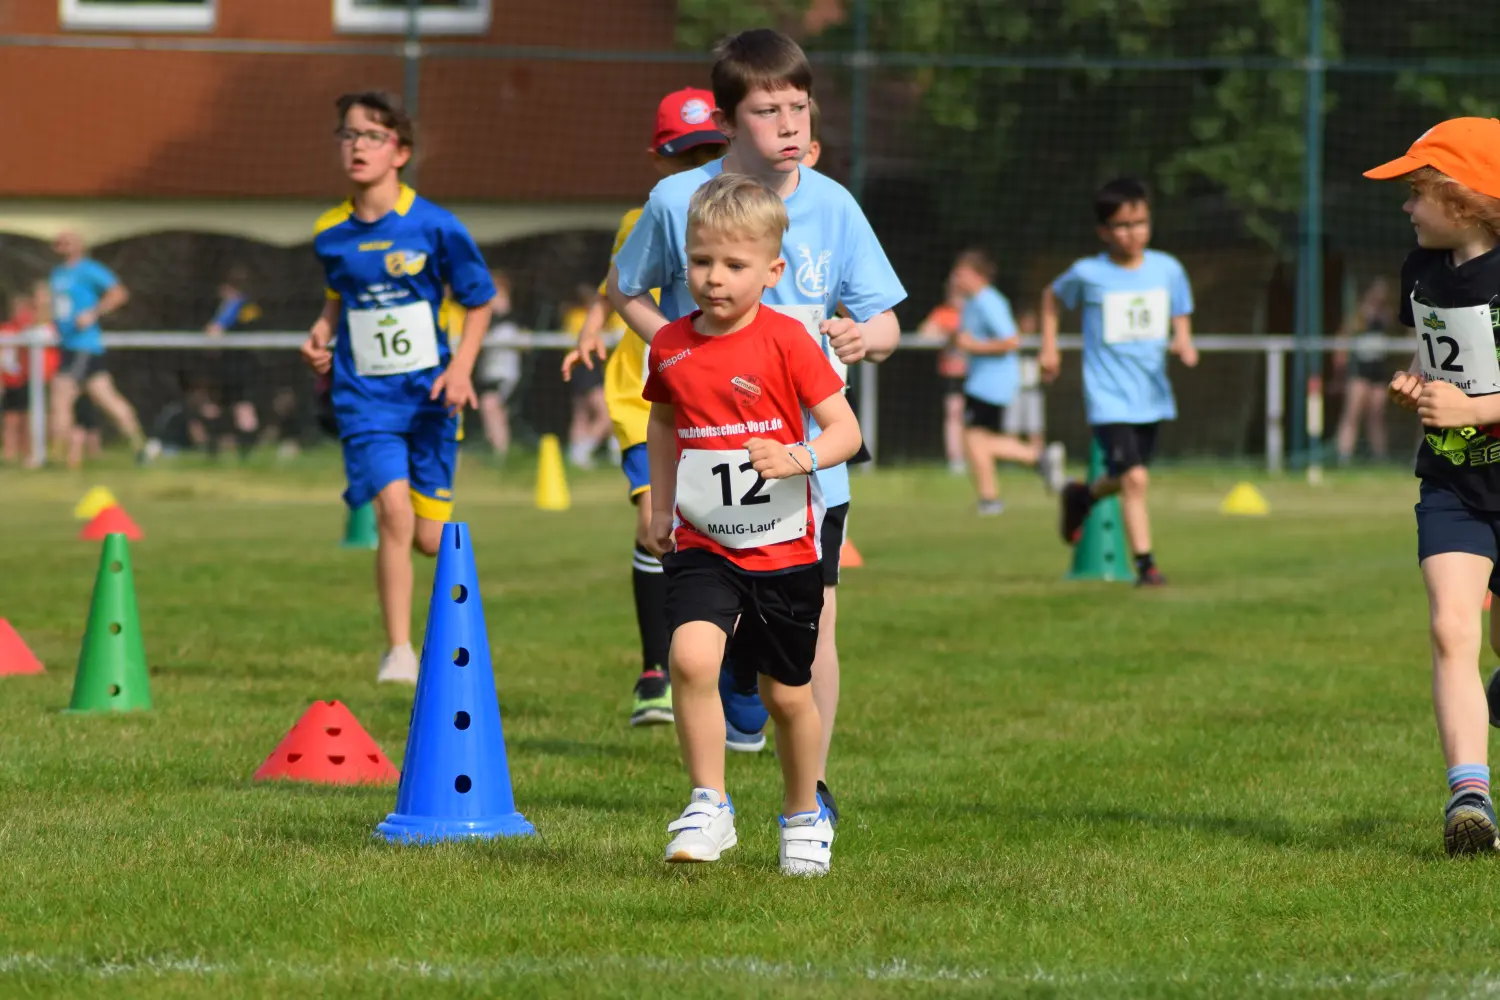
[[685, 139], [398, 386]]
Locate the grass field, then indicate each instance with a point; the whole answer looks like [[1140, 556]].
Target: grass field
[[1231, 787]]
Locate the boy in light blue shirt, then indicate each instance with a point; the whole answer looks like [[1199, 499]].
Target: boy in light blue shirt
[[1137, 307], [762, 85], [988, 335]]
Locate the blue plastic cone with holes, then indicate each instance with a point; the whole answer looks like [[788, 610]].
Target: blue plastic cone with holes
[[455, 778]]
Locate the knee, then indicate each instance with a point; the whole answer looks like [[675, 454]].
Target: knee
[[1134, 481], [427, 536], [693, 662], [395, 519], [784, 701], [1454, 634]]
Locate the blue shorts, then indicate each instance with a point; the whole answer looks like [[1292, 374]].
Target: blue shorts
[[425, 457], [1445, 524], [637, 468]]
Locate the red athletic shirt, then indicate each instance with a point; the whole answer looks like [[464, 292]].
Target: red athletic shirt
[[756, 382]]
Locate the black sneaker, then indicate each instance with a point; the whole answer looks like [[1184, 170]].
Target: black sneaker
[[1151, 578], [1075, 503], [1469, 826], [653, 700], [826, 797]]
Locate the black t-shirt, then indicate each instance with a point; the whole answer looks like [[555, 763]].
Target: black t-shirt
[[1465, 460]]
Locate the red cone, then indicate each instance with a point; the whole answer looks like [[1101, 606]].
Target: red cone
[[111, 521], [15, 656], [328, 746], [849, 557]]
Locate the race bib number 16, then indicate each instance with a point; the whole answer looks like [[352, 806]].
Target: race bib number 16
[[393, 341], [720, 494]]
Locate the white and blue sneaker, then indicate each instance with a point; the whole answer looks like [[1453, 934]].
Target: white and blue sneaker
[[744, 716], [704, 831], [807, 843], [741, 741]]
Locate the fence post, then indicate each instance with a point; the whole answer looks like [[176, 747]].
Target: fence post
[[1308, 359], [1275, 408], [859, 97], [36, 362], [412, 75], [869, 413]]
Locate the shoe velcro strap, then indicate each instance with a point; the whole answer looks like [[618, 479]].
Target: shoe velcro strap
[[696, 816], [807, 850]]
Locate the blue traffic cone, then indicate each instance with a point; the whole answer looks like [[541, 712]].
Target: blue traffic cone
[[455, 779]]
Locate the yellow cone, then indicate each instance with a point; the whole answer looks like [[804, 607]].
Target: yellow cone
[[94, 501], [1246, 501], [551, 482]]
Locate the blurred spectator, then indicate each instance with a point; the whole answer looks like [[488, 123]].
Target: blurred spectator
[[27, 314], [239, 373], [591, 425], [498, 372], [1365, 372], [942, 325]]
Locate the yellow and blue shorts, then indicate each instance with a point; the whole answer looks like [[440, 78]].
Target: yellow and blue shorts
[[637, 468], [426, 457]]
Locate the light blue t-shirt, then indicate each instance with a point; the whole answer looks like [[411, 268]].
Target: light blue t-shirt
[[78, 288], [831, 252], [1127, 327], [993, 378]]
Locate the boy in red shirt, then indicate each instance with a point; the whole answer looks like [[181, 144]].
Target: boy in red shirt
[[739, 512]]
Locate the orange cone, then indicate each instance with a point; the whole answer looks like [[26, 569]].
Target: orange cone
[[1487, 596], [111, 521], [328, 746], [15, 656], [849, 557]]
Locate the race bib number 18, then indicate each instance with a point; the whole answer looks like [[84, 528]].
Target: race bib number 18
[[1458, 346], [1136, 316], [393, 341], [720, 494]]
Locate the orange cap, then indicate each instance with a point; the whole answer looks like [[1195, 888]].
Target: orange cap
[[1466, 149]]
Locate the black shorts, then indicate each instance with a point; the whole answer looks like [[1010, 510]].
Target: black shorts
[[85, 413], [80, 366], [15, 400], [1376, 371], [1126, 446], [239, 374], [777, 613], [585, 380], [1445, 524], [953, 386], [834, 520], [985, 416]]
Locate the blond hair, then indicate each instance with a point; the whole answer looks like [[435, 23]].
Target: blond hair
[[738, 205], [1462, 203]]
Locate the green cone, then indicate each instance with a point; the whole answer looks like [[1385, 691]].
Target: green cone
[[359, 529], [112, 664], [1101, 554]]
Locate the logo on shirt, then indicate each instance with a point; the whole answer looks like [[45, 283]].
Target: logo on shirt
[[695, 112], [1432, 322], [812, 273], [669, 362], [377, 245], [746, 389], [404, 262]]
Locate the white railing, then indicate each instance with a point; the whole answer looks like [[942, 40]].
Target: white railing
[[1275, 349]]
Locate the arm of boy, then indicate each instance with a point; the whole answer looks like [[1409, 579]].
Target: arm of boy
[[1048, 359], [590, 341], [839, 442], [639, 312], [457, 381], [315, 349], [970, 344], [1442, 404], [873, 340], [1182, 340], [661, 452], [1406, 387]]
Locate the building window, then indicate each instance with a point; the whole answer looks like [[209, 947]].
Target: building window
[[136, 15], [434, 17]]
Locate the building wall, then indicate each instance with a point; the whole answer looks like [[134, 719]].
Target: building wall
[[121, 122]]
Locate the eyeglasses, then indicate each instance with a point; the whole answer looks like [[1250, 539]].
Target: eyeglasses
[[372, 138]]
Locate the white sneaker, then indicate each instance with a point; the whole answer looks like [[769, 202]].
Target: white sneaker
[[806, 843], [705, 829], [398, 666], [1054, 467]]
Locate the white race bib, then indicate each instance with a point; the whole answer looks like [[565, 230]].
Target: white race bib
[[393, 341], [722, 496], [1458, 346], [811, 318], [1136, 316]]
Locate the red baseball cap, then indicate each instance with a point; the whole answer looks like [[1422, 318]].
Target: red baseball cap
[[684, 119], [1466, 149]]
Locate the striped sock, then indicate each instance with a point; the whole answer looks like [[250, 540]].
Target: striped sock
[[1469, 778]]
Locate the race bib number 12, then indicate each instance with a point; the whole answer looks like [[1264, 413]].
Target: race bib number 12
[[1458, 346], [393, 341], [720, 494]]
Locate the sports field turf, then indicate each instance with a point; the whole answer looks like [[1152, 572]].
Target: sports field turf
[[1230, 787]]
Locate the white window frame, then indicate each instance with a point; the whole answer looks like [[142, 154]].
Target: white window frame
[[350, 18], [78, 15]]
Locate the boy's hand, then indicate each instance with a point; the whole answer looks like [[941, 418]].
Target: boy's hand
[[589, 347], [845, 337], [659, 539], [1442, 404], [773, 460], [1186, 352], [1049, 360], [964, 341], [458, 385], [315, 352], [1405, 389]]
